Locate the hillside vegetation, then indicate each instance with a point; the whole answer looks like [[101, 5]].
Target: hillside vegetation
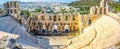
[[85, 5]]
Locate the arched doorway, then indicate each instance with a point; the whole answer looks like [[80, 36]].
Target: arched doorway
[[47, 27], [66, 29], [70, 28], [43, 31], [55, 29], [54, 18]]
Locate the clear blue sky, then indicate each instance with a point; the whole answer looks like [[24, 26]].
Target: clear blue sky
[[64, 1]]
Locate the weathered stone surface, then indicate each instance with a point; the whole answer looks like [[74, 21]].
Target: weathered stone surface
[[8, 24], [79, 42], [7, 40], [104, 33]]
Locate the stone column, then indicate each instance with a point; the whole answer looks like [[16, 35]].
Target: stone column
[[98, 11], [102, 10], [107, 10], [92, 10]]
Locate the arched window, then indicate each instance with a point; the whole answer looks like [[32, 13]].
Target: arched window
[[59, 19], [50, 18], [66, 18], [60, 23], [11, 11], [73, 17], [95, 11], [89, 22], [15, 11], [54, 18], [10, 4]]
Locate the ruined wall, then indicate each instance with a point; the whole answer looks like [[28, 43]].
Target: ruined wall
[[48, 21]]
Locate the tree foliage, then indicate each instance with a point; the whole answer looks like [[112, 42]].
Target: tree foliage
[[26, 12], [37, 10], [89, 3], [116, 6], [1, 10]]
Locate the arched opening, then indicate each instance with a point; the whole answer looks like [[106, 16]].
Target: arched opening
[[66, 31], [50, 18], [15, 11], [43, 31], [54, 18], [11, 11], [73, 27], [59, 19], [10, 4], [95, 11], [47, 27], [66, 18], [55, 31], [62, 27], [89, 21], [73, 18]]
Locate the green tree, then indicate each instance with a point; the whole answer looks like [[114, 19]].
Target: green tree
[[26, 12], [37, 10], [1, 10], [115, 6], [88, 3]]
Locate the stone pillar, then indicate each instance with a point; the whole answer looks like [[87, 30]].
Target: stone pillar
[[92, 10], [107, 10], [102, 10], [98, 11]]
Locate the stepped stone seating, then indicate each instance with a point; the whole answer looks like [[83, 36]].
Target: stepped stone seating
[[103, 34]]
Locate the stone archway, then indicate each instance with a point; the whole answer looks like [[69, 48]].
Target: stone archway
[[54, 18], [47, 27], [74, 28]]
